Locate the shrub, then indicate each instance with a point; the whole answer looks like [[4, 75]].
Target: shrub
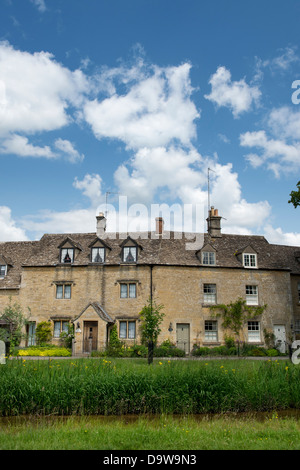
[[272, 352], [258, 352], [43, 332], [51, 352]]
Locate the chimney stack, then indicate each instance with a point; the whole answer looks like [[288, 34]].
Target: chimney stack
[[214, 223], [159, 225], [101, 225]]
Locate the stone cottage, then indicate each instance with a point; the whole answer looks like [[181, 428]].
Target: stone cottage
[[96, 280]]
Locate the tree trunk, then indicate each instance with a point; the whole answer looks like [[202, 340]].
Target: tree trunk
[[150, 352]]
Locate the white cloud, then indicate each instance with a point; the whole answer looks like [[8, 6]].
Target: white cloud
[[277, 236], [91, 188], [156, 109], [36, 91], [9, 230], [280, 154], [19, 145], [284, 60], [238, 96], [40, 4], [68, 149]]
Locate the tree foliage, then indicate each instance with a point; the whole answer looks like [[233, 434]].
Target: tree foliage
[[151, 317], [43, 332], [295, 196], [15, 320]]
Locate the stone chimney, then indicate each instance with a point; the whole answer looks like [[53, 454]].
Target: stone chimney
[[159, 225], [214, 223], [101, 225]]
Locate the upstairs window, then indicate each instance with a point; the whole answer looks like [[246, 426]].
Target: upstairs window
[[251, 295], [98, 255], [67, 255], [3, 270], [128, 291], [129, 254], [210, 293], [249, 260], [208, 258], [63, 291]]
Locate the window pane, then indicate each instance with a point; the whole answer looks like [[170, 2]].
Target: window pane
[[129, 254], [65, 325], [2, 270], [208, 257], [209, 291], [131, 329], [67, 255], [98, 255], [123, 329], [249, 260], [253, 332], [123, 291], [67, 292], [251, 295], [59, 292], [132, 291], [56, 329], [211, 333]]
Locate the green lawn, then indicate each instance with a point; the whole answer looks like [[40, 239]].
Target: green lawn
[[160, 433]]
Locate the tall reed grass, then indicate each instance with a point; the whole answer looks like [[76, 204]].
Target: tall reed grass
[[100, 386]]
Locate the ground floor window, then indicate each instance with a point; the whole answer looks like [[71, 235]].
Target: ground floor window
[[60, 326], [253, 331], [31, 333], [211, 330], [127, 329]]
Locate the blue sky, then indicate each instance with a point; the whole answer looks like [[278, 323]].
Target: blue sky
[[139, 98]]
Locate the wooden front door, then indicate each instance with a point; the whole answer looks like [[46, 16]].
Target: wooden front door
[[183, 336], [90, 336]]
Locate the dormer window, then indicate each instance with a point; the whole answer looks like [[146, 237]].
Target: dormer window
[[129, 254], [98, 255], [67, 255], [3, 270], [249, 260], [208, 258]]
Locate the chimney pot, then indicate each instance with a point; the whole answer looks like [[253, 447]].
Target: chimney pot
[[159, 225], [101, 224]]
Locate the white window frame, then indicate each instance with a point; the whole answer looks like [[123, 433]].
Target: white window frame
[[251, 294], [254, 331], [250, 260], [211, 331], [210, 293], [127, 329], [2, 275], [208, 258]]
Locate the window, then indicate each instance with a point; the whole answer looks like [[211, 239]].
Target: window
[[127, 329], [98, 255], [63, 291], [251, 295], [127, 290], [208, 258], [299, 292], [253, 332], [67, 255], [2, 270], [129, 254], [59, 327], [249, 260], [211, 330], [210, 293]]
